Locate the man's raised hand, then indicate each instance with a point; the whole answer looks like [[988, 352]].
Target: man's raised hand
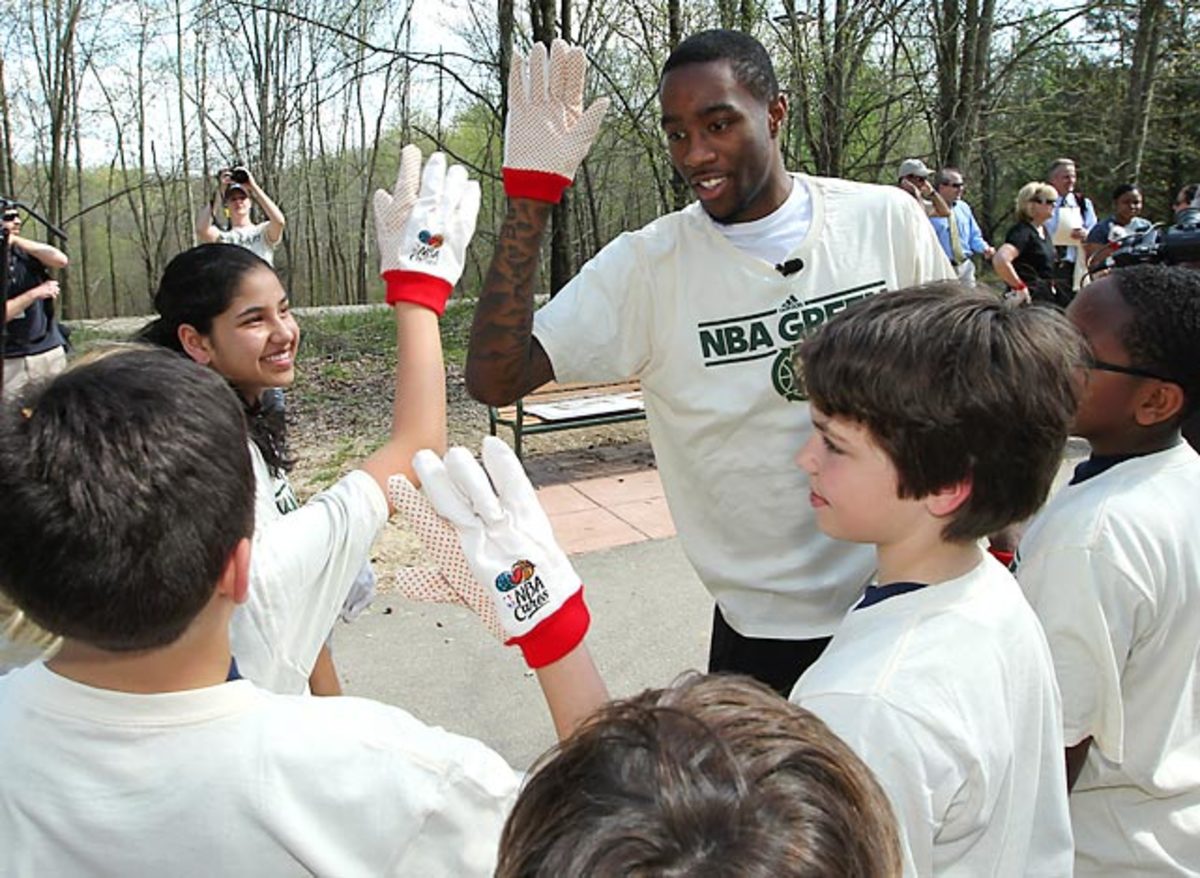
[[548, 132]]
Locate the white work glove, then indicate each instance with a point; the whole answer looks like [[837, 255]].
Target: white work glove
[[547, 133], [451, 580], [423, 236], [510, 547]]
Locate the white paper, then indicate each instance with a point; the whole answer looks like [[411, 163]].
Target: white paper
[[587, 406], [1070, 219]]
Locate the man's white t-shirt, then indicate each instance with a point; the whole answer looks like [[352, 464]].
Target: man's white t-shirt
[[947, 693], [232, 780], [1112, 569], [709, 329], [302, 566], [253, 238]]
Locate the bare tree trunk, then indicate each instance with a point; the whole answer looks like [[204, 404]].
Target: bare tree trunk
[[7, 166], [80, 264], [1141, 87], [561, 269]]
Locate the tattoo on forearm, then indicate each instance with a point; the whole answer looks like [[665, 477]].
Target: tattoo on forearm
[[501, 333]]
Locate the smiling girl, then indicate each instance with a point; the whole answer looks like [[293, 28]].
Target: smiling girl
[[225, 308]]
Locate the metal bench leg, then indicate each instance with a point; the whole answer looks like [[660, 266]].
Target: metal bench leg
[[518, 428]]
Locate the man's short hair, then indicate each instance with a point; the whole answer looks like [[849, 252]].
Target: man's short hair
[[127, 485], [943, 175], [1162, 332], [748, 58], [716, 775], [954, 385], [1058, 163]]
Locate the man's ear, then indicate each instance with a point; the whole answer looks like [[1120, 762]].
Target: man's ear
[[946, 501], [194, 344], [777, 113], [1159, 402], [235, 577]]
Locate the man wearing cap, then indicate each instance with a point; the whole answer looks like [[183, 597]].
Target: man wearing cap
[[35, 346], [914, 179], [260, 238], [959, 234]]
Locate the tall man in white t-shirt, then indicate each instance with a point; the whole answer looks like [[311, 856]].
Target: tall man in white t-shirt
[[703, 306]]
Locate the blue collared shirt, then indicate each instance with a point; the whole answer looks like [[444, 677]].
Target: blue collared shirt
[[969, 234]]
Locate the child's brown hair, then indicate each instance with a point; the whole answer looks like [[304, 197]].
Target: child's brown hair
[[954, 385]]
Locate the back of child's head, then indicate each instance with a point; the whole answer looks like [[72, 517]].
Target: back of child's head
[[1163, 331], [954, 385], [715, 776], [127, 485]]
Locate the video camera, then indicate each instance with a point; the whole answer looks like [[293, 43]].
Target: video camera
[[1171, 245]]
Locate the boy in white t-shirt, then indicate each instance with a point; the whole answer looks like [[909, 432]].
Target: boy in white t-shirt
[[925, 404], [1112, 568], [138, 749]]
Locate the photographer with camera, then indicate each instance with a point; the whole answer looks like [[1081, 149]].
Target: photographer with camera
[[234, 194], [35, 345]]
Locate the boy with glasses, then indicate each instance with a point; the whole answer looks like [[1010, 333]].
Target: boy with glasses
[[1112, 568]]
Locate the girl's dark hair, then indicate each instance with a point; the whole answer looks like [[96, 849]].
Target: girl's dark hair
[[197, 286], [1123, 189]]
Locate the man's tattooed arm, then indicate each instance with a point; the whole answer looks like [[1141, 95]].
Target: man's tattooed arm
[[504, 360]]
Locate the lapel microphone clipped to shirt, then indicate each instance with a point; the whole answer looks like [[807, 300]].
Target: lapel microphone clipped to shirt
[[790, 267]]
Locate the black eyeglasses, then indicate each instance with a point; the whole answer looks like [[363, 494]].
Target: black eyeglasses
[[955, 185], [1041, 200], [1102, 366], [11, 217]]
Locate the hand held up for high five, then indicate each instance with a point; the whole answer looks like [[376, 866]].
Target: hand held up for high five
[[548, 132], [423, 234], [510, 547]]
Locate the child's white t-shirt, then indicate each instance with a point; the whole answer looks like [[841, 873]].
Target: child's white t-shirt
[[232, 780], [1112, 569], [947, 693], [302, 566]]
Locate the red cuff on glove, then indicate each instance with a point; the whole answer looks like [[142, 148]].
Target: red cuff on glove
[[538, 185], [418, 288], [556, 635]]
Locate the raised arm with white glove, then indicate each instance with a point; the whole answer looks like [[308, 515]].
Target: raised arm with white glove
[[423, 235], [547, 133]]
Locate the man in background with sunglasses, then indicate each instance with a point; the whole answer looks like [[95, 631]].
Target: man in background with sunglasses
[[1112, 568], [959, 234], [35, 346]]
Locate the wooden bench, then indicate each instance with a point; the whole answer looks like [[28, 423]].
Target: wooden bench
[[554, 406]]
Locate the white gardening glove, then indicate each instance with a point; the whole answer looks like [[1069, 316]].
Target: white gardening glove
[[547, 133], [451, 581], [423, 236], [510, 547]]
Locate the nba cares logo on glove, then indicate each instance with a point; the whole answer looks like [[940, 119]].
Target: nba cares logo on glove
[[427, 248], [523, 590]]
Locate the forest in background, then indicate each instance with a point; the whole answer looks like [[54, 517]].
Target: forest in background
[[116, 114]]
